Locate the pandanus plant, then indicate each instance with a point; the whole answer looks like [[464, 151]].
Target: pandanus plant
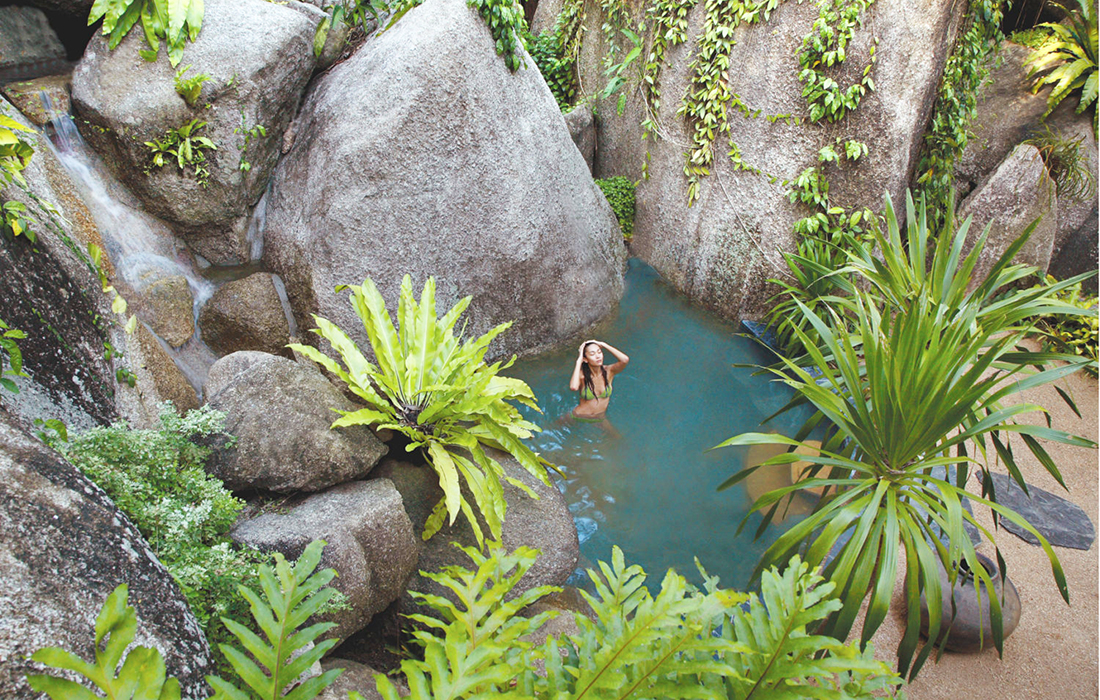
[[912, 393], [435, 388]]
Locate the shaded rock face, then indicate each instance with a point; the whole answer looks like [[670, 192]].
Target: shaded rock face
[[1007, 113], [543, 524], [370, 544], [50, 293], [493, 199], [64, 547], [1017, 193], [280, 412], [259, 56], [1076, 217], [546, 15], [582, 129], [26, 39], [721, 251], [80, 8], [356, 677], [245, 314], [155, 366]]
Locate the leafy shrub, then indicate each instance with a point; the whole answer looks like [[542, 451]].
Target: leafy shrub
[[1033, 38], [905, 388], [156, 478], [1072, 334], [620, 195], [173, 22], [438, 391], [1071, 53], [681, 643], [15, 155], [556, 68]]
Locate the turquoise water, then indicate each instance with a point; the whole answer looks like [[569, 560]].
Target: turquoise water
[[647, 482]]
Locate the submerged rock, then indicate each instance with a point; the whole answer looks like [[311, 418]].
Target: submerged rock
[[722, 250], [544, 524], [422, 154], [1016, 194], [370, 544], [280, 412], [259, 57], [245, 314], [64, 547]]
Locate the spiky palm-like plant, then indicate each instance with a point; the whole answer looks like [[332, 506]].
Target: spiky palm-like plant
[[917, 385]]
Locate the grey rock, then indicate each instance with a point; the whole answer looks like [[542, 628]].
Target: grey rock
[[1006, 114], [245, 314], [26, 39], [1078, 254], [492, 198], [64, 547], [371, 545], [259, 56], [582, 129], [167, 303], [1077, 230], [543, 524], [546, 15], [1062, 523], [721, 251], [1017, 193], [281, 413], [79, 8], [356, 676], [26, 95], [49, 293]]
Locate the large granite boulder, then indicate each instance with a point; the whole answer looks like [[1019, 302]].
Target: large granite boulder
[[245, 314], [582, 128], [259, 56], [370, 544], [1006, 114], [544, 524], [1017, 193], [167, 301], [1075, 239], [422, 154], [64, 547], [27, 41], [50, 293], [281, 412], [721, 251]]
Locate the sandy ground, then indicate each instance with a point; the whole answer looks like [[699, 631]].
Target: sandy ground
[[1054, 651]]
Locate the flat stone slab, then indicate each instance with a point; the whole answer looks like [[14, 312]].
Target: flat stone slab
[[1064, 524]]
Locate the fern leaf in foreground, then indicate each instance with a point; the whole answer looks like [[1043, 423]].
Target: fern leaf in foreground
[[273, 665]]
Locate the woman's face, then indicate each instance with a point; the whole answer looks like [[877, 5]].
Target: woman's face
[[593, 354]]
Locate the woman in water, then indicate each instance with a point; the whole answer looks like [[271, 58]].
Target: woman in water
[[593, 379]]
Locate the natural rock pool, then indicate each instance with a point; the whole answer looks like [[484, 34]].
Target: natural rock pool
[[648, 484]]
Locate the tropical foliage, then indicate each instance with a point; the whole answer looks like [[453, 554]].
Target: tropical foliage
[[619, 192], [908, 399], [15, 155], [436, 389], [184, 146], [1073, 334], [172, 21], [271, 667], [157, 478], [142, 673], [682, 642], [1066, 159], [10, 348], [1070, 56]]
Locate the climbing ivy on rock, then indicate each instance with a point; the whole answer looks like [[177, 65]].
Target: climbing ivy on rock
[[827, 47], [956, 104]]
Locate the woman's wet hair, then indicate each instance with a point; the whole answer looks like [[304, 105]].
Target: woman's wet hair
[[587, 372]]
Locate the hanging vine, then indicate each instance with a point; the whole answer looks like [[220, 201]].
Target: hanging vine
[[957, 103]]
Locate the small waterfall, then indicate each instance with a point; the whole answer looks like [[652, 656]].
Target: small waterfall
[[280, 289], [255, 235], [134, 242]]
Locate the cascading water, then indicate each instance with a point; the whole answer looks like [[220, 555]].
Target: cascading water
[[134, 244]]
